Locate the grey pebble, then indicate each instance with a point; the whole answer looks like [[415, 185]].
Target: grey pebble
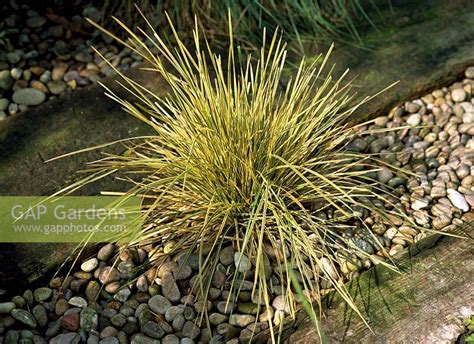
[[29, 96]]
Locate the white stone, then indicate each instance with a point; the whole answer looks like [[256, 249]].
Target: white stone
[[390, 233], [414, 120], [78, 302], [468, 117], [89, 265], [280, 304], [470, 72], [420, 204], [458, 95], [16, 73], [468, 107], [458, 200]]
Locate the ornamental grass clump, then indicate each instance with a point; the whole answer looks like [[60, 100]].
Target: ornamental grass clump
[[239, 156]]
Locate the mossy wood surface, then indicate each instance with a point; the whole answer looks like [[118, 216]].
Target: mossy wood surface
[[423, 44], [430, 45], [426, 303]]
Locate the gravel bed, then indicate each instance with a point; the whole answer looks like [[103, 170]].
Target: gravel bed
[[116, 298], [45, 55]]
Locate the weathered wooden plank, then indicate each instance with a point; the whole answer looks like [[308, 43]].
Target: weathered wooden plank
[[425, 303]]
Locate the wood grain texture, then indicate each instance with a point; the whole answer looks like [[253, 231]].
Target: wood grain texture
[[425, 303]]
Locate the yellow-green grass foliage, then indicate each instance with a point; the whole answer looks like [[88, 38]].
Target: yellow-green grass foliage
[[241, 156]]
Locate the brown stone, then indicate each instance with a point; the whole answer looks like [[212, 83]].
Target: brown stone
[[70, 322]]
